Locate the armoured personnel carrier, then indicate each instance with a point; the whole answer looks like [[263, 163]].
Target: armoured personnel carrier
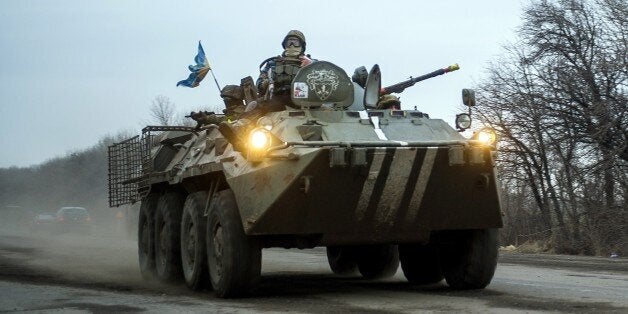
[[376, 187]]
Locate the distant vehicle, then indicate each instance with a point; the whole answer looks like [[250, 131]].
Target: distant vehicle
[[43, 223], [73, 219]]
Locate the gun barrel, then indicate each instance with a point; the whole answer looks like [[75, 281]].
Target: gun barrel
[[438, 72], [399, 87]]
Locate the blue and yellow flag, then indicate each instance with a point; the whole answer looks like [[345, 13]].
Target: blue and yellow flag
[[199, 70]]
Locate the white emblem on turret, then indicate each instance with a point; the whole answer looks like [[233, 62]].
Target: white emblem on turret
[[300, 90], [323, 83]]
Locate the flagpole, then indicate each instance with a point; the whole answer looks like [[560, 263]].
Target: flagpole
[[215, 80]]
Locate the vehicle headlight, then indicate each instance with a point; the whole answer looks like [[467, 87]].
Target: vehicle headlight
[[259, 141], [486, 136], [463, 121]]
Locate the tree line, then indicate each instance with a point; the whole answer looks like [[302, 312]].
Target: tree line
[[558, 101], [78, 179]]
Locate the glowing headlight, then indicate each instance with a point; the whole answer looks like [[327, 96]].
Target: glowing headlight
[[259, 139], [258, 143], [486, 136]]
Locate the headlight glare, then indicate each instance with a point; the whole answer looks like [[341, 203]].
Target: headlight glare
[[259, 142], [259, 139], [486, 136]]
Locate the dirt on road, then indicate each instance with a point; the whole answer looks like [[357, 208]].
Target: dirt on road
[[297, 280]]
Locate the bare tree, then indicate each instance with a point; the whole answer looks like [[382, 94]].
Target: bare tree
[[162, 110], [558, 100]]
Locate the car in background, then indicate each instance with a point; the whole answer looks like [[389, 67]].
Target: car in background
[[43, 223], [73, 220]]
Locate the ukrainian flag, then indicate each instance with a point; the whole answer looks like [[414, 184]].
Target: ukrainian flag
[[199, 70]]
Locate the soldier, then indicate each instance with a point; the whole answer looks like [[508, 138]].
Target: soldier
[[388, 102], [276, 73], [273, 85]]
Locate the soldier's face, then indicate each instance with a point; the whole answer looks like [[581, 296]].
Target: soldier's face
[[292, 51]]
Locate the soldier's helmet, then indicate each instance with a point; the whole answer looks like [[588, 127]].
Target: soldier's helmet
[[297, 34], [388, 102]]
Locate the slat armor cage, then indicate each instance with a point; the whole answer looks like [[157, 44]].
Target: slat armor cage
[[131, 164], [125, 171]]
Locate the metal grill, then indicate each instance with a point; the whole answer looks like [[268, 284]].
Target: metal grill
[[131, 165], [125, 170]]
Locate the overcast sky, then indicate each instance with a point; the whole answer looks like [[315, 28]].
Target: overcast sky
[[72, 72]]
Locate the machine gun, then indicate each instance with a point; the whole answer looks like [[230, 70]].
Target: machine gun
[[401, 86], [204, 117]]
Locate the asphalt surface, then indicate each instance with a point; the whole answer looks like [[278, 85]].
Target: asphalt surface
[[99, 274]]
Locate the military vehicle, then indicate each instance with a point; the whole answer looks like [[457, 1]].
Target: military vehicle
[[376, 187]]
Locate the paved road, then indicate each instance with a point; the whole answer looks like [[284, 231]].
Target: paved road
[[99, 274]]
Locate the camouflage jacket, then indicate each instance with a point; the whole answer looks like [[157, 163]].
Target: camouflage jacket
[[279, 71]]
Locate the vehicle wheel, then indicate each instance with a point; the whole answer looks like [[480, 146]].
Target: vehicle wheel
[[234, 259], [167, 237], [145, 236], [342, 260], [420, 263], [193, 251], [378, 261], [469, 258]]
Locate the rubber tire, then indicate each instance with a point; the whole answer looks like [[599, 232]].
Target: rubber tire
[[420, 263], [146, 236], [168, 237], [193, 250], [234, 259], [469, 258], [378, 261], [342, 260]]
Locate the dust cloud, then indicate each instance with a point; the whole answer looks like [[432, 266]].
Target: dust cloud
[[105, 255]]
